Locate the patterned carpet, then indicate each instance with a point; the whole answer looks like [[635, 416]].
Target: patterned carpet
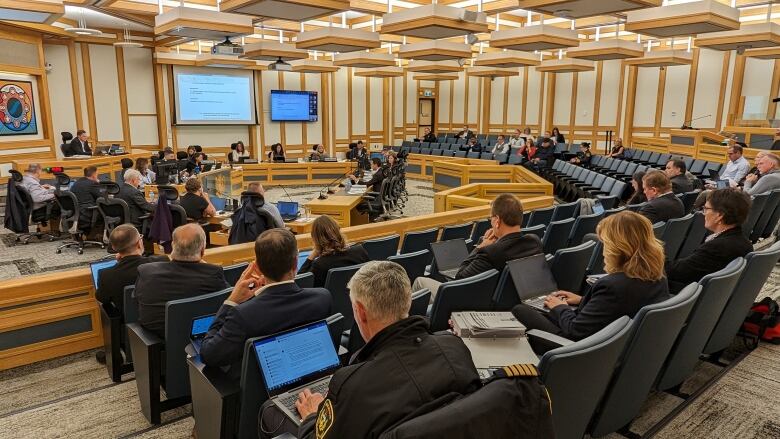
[[72, 397]]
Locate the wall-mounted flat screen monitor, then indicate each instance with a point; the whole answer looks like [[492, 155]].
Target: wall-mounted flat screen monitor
[[214, 96], [293, 106]]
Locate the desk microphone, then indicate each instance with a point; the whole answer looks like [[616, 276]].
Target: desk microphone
[[286, 193], [685, 125], [322, 196]]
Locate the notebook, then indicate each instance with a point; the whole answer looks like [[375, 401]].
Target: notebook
[[448, 255], [289, 361], [95, 267]]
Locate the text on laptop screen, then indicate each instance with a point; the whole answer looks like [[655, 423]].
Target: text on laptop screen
[[302, 258], [287, 208], [97, 266], [292, 356], [201, 325]]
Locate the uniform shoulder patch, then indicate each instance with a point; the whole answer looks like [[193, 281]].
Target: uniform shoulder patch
[[520, 370], [324, 419]]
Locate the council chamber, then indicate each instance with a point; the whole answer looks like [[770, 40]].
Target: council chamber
[[389, 219]]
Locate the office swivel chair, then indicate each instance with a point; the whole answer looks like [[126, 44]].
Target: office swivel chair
[[27, 205], [70, 217], [66, 138]]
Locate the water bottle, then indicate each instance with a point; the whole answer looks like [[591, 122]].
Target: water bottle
[[151, 196]]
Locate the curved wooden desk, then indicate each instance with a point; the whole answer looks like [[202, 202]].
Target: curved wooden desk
[[109, 166]]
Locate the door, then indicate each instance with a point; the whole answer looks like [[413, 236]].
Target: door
[[425, 116]]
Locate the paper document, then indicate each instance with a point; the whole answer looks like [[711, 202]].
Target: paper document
[[487, 324]]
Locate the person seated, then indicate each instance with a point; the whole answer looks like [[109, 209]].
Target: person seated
[[257, 188], [638, 196], [126, 163], [330, 250], [147, 175], [769, 168], [276, 154], [634, 263], [528, 149], [191, 152], [357, 152], [501, 243], [465, 133], [501, 147], [195, 164], [517, 139], [737, 167], [266, 289], [583, 155], [472, 146], [542, 157], [375, 183], [318, 153], [662, 204], [79, 145], [428, 136], [87, 191], [392, 165], [724, 213], [195, 202], [547, 136], [44, 207], [168, 154], [617, 151], [402, 368], [237, 153], [556, 136], [675, 170], [184, 276], [136, 202]]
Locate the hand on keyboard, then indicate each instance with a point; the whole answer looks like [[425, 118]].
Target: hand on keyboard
[[308, 403]]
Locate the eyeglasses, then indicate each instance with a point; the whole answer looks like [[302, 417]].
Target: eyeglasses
[[705, 209]]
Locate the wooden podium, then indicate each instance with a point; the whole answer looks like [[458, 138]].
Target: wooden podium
[[702, 144]]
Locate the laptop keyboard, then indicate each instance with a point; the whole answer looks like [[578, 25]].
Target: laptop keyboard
[[289, 399], [537, 302]]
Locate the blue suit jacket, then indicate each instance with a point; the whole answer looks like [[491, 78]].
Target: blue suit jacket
[[275, 309]]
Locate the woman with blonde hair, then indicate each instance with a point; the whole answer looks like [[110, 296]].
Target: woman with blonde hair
[[330, 250], [634, 263]]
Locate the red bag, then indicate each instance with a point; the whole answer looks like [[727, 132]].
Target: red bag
[[763, 321]]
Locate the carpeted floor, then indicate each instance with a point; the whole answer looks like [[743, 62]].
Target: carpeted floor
[[72, 397]]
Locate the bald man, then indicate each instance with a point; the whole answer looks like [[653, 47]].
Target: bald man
[[184, 276]]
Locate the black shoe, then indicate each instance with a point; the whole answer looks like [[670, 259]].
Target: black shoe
[[100, 356]]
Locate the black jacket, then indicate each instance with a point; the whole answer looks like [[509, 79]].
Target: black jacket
[[663, 208], [87, 192], [681, 184], [352, 256], [274, 309], [136, 202], [545, 154], [400, 369], [611, 297], [249, 221], [16, 215], [75, 148], [710, 257], [467, 134], [113, 280], [430, 138], [160, 282], [509, 247], [375, 183]]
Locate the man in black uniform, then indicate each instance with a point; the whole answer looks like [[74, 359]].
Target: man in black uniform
[[402, 366]]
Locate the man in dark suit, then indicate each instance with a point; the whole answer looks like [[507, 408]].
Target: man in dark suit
[[134, 198], [79, 145], [265, 300], [662, 204], [428, 136], [87, 191], [675, 170], [473, 145], [466, 133], [502, 242], [375, 183], [186, 275]]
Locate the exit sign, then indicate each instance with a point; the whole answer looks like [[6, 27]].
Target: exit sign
[[427, 93]]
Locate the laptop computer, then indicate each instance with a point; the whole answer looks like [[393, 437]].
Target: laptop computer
[[598, 208], [200, 326], [219, 203], [533, 280], [303, 357], [288, 210], [302, 256], [448, 255], [96, 266], [715, 175]]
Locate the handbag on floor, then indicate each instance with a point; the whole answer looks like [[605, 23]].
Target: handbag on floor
[[763, 321]]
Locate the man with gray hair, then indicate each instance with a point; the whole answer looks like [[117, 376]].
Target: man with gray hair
[[184, 276], [42, 194], [402, 367], [134, 198], [769, 167]]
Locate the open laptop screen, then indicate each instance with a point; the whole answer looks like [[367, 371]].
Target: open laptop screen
[[287, 208], [95, 267], [449, 254], [219, 203], [532, 276], [295, 357], [302, 258], [201, 325]]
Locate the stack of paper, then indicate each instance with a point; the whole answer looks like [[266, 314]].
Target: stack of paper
[[487, 324]]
